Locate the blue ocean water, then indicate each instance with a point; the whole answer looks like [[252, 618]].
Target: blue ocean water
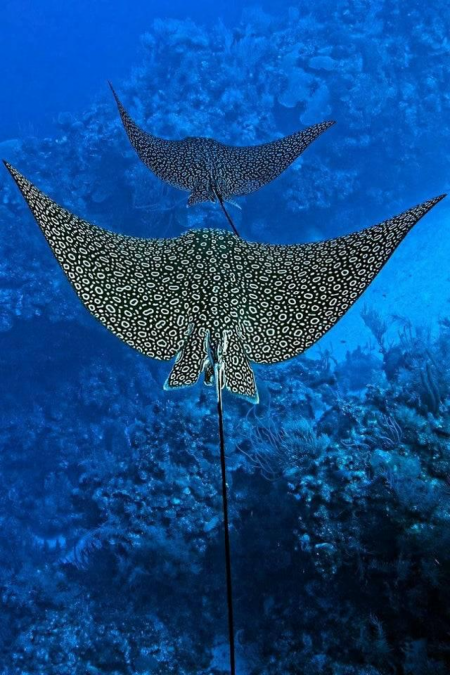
[[111, 544]]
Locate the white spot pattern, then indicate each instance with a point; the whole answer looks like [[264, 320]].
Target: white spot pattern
[[204, 167], [251, 302]]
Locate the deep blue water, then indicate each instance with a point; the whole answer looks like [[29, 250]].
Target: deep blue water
[[56, 57], [111, 544]]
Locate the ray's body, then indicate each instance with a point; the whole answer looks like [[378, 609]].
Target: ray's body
[[211, 171]]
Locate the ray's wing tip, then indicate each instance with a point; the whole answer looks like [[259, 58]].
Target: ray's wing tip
[[318, 129], [22, 183], [439, 198], [416, 213], [17, 176], [427, 205], [114, 93], [323, 126]]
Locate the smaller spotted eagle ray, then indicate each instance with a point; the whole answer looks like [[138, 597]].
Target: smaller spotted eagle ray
[[212, 171], [214, 302]]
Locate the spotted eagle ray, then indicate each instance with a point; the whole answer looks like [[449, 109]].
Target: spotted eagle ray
[[214, 302], [212, 171]]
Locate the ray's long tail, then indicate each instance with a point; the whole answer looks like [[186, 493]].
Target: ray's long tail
[[219, 383], [227, 215]]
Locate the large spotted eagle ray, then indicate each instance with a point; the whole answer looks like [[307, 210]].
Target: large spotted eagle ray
[[214, 302], [212, 171]]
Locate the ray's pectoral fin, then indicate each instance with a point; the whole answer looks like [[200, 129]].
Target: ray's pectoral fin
[[129, 284], [311, 286]]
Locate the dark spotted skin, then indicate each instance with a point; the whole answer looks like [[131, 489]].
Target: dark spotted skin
[[208, 169], [209, 292]]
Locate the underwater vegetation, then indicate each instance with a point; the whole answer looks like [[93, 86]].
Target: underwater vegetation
[[340, 479]]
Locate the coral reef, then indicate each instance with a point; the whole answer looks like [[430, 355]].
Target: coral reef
[[111, 548]]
